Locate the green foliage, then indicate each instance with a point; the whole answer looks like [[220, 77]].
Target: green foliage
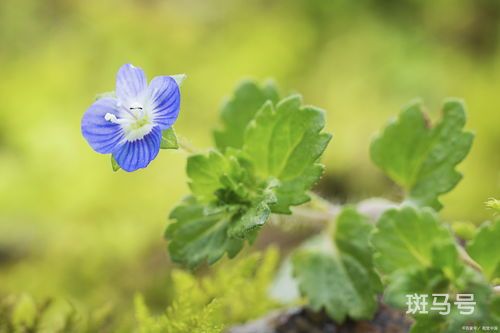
[[200, 234], [21, 314], [169, 139], [114, 164], [209, 304], [406, 239], [414, 251], [420, 158], [342, 282], [234, 192], [494, 205], [226, 207], [24, 314], [242, 286], [465, 230], [419, 255], [284, 142], [41, 152], [485, 250], [486, 314], [190, 312], [240, 110]]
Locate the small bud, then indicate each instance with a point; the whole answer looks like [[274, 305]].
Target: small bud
[[494, 205]]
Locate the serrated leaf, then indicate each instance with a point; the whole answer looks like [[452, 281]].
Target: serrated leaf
[[445, 256], [486, 313], [114, 164], [446, 270], [406, 239], [248, 98], [200, 234], [343, 282], [420, 158], [253, 218], [223, 179], [285, 143], [205, 173], [336, 286], [420, 256], [485, 249], [169, 139], [229, 205], [414, 281], [203, 233]]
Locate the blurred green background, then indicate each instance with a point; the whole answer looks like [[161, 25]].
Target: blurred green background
[[71, 228]]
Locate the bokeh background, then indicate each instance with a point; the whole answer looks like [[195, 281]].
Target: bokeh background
[[73, 229]]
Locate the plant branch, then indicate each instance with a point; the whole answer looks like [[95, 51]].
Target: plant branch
[[185, 145], [467, 259]]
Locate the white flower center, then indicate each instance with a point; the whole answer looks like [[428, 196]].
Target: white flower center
[[134, 119]]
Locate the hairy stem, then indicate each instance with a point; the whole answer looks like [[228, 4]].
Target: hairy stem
[[185, 145], [467, 259]]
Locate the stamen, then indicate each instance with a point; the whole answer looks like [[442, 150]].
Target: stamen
[[112, 118]]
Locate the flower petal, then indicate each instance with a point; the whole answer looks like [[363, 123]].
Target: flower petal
[[137, 154], [103, 136], [130, 83], [164, 100]]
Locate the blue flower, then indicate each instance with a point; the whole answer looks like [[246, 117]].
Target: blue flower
[[130, 125]]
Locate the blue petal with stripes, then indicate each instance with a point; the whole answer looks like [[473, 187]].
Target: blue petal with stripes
[[133, 155], [164, 94], [102, 135], [130, 82]]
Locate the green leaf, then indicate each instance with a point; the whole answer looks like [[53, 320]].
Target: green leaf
[[406, 238], [240, 110], [203, 232], [445, 256], [253, 218], [414, 281], [222, 178], [420, 158], [169, 139], [343, 282], [285, 143], [486, 313], [429, 324], [205, 173], [446, 271], [420, 256], [200, 234], [227, 206], [352, 236], [485, 249], [337, 286], [114, 164]]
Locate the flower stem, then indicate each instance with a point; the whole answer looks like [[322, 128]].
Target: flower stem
[[185, 145], [467, 259]]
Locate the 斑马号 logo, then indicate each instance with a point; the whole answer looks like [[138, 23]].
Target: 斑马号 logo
[[440, 303]]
